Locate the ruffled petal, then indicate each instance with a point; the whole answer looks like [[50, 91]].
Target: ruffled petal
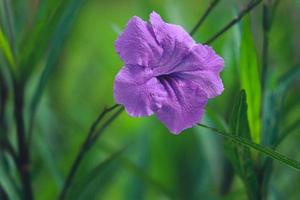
[[208, 82], [174, 40], [184, 107], [201, 57], [139, 92], [137, 44]]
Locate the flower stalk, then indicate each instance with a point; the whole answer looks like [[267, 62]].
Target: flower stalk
[[23, 162], [251, 5], [211, 6], [92, 136]]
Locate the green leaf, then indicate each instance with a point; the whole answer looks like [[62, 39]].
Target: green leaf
[[7, 52], [48, 157], [140, 173], [52, 25], [97, 180], [283, 85], [61, 33], [240, 156], [260, 148], [3, 194], [6, 181], [250, 81]]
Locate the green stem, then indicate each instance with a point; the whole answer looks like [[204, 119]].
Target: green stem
[[265, 49], [211, 6], [90, 139], [247, 9], [23, 158]]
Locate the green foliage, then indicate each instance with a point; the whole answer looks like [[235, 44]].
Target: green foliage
[[250, 81], [6, 50], [240, 156], [63, 54]]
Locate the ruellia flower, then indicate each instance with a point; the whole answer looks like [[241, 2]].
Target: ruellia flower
[[165, 73]]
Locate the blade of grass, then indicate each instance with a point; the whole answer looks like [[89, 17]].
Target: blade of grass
[[262, 149]]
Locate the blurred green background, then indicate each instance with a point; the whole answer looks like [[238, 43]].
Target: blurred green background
[[156, 164]]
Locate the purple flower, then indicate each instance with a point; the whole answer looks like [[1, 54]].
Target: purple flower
[[166, 72]]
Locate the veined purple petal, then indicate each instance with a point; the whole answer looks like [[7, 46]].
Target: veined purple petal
[[201, 57], [202, 66], [174, 40], [165, 73], [209, 82], [137, 44], [185, 105], [139, 92]]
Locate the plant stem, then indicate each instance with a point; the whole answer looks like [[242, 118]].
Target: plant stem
[[211, 6], [265, 49], [247, 9], [23, 164], [90, 139]]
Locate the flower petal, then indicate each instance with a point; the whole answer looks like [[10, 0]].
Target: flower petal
[[184, 107], [201, 57], [139, 92], [202, 66], [137, 44], [208, 82], [174, 40]]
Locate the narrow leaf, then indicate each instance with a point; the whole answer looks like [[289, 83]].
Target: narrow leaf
[[6, 50], [97, 179], [250, 81], [240, 156], [6, 181], [262, 149]]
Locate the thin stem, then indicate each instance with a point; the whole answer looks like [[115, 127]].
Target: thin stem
[[90, 139], [247, 9], [211, 6], [265, 150], [23, 159], [265, 49]]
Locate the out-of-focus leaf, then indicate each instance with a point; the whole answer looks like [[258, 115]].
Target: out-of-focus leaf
[[48, 157], [3, 194], [276, 111], [59, 37], [250, 81], [139, 173], [6, 181], [6, 50], [241, 156], [51, 28], [273, 118], [136, 187], [98, 179]]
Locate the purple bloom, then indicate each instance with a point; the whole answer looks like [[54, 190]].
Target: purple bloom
[[166, 72]]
